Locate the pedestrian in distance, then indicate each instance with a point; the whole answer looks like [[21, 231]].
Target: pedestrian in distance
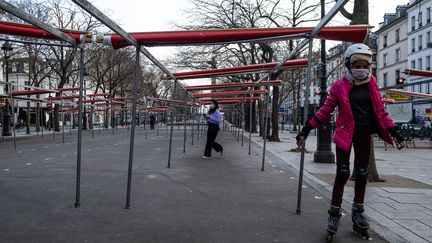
[[361, 113], [152, 121], [213, 118]]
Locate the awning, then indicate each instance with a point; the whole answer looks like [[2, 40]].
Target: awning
[[352, 33], [239, 70]]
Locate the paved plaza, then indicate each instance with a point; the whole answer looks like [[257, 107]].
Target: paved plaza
[[400, 208], [225, 199]]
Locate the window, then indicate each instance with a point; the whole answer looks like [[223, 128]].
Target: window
[[413, 64], [420, 64], [397, 35], [385, 60], [385, 41], [413, 23], [420, 40], [420, 19], [428, 15], [20, 67], [398, 55], [385, 79], [428, 63], [428, 39], [397, 75], [412, 45]]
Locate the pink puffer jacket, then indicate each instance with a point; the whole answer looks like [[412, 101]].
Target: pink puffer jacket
[[339, 96]]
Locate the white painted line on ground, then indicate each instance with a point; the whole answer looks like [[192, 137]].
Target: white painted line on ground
[[28, 163], [6, 169]]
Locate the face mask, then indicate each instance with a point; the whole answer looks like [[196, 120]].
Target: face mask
[[360, 74]]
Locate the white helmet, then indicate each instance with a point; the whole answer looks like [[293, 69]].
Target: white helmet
[[356, 49]]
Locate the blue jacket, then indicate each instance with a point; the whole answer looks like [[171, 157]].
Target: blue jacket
[[214, 117]]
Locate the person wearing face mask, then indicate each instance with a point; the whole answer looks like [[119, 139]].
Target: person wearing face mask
[[361, 112], [213, 117]]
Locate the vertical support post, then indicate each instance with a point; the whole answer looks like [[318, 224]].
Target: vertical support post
[[324, 153], [13, 114], [250, 124], [185, 118], [172, 126], [241, 121], [305, 115], [80, 128], [43, 119], [266, 121], [112, 119], [193, 125], [62, 117], [92, 117], [132, 134]]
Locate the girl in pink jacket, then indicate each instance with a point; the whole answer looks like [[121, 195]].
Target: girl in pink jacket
[[361, 113]]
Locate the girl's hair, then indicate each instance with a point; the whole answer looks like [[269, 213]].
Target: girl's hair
[[216, 106]]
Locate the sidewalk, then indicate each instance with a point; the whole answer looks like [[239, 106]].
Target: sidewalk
[[400, 209]]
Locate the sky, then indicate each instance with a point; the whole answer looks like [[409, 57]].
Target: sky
[[159, 15]]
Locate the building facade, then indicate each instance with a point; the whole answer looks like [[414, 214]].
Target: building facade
[[420, 51], [392, 48]]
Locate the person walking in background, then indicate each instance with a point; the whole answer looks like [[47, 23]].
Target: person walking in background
[[361, 112], [213, 117], [152, 121]]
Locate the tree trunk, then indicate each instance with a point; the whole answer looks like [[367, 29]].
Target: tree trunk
[[275, 116], [372, 169], [28, 118], [38, 118], [261, 118], [254, 118], [56, 118]]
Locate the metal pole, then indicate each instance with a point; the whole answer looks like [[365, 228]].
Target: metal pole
[[92, 118], [324, 153], [193, 125], [13, 113], [266, 121], [43, 119], [71, 120], [172, 126], [241, 123], [112, 119], [52, 123], [185, 118], [132, 135], [80, 127], [62, 117], [250, 124], [37, 118], [305, 116]]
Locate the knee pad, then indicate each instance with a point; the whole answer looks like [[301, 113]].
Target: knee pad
[[361, 175], [342, 174]]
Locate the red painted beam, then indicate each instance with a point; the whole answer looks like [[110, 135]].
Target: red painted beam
[[31, 31], [239, 70], [63, 97], [352, 33], [31, 92], [232, 85], [417, 72], [230, 93]]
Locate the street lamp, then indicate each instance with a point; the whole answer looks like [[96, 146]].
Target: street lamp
[[7, 48]]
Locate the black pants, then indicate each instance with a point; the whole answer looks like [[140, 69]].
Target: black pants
[[362, 148], [212, 132]]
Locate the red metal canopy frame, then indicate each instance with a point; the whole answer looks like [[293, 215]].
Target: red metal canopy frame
[[230, 93], [256, 68], [233, 85], [31, 92], [417, 72], [353, 33], [31, 31]]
